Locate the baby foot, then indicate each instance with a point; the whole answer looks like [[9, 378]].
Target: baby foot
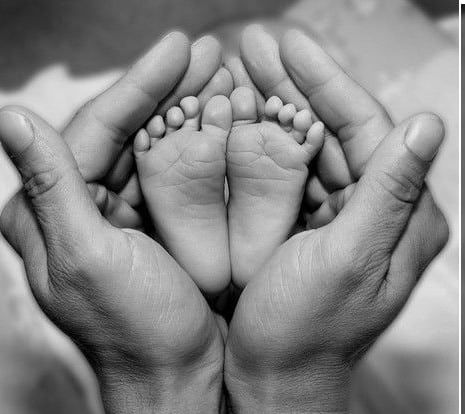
[[267, 169], [181, 166]]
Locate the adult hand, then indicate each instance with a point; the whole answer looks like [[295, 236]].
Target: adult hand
[[39, 367], [137, 316], [132, 310], [99, 134], [326, 295]]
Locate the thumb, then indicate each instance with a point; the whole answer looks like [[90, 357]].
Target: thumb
[[378, 211], [56, 190]]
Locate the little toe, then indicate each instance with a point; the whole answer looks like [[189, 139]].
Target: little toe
[[286, 116], [156, 127], [244, 106], [174, 119], [314, 139], [190, 105], [141, 143], [301, 124], [272, 107], [217, 116]]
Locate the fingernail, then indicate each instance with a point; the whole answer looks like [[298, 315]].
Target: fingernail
[[16, 132], [424, 137], [167, 36], [255, 27], [173, 34], [203, 39]]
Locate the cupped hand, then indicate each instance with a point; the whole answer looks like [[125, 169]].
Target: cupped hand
[[137, 316], [146, 329], [327, 293]]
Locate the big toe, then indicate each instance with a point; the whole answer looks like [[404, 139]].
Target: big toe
[[217, 115], [244, 105]]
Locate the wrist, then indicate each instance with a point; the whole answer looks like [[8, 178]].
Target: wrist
[[191, 388], [184, 393], [308, 389]]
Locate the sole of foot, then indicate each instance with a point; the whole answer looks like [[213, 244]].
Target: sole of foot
[[181, 166], [267, 169]]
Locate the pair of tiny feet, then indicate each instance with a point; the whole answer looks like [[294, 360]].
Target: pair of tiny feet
[[223, 187]]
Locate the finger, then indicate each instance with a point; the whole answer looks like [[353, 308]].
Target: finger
[[426, 235], [21, 230], [332, 166], [221, 84], [99, 130], [355, 117], [132, 193], [315, 193], [206, 58], [116, 210], [18, 224], [119, 174], [260, 54], [59, 197], [330, 208], [380, 207], [242, 79]]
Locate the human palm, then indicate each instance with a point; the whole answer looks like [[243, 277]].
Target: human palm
[[327, 293], [138, 317], [128, 305], [316, 305]]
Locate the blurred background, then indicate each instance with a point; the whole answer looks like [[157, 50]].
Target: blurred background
[[56, 54]]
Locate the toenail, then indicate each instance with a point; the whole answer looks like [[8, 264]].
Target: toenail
[[175, 116]]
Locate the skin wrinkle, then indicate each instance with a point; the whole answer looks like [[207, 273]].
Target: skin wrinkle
[[45, 178], [274, 297], [117, 134], [185, 160], [260, 156], [269, 91], [347, 129], [113, 311], [152, 101]]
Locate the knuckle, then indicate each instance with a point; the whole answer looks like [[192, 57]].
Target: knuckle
[[42, 182], [75, 261], [90, 111], [363, 261], [404, 187]]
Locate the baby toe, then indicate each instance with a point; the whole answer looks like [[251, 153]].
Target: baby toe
[[156, 127], [286, 116], [174, 119], [217, 116], [301, 124], [141, 143], [272, 107], [314, 139], [244, 106], [190, 105]]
